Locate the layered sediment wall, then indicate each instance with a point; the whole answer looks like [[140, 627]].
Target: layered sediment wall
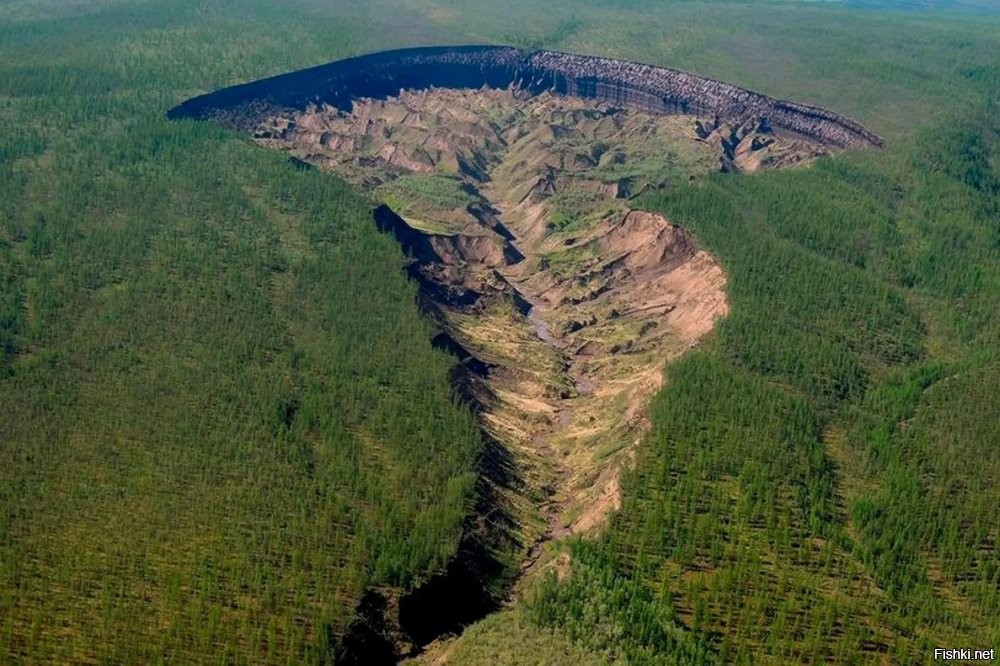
[[657, 90]]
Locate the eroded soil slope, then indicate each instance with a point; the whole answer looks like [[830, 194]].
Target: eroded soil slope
[[563, 302], [566, 302]]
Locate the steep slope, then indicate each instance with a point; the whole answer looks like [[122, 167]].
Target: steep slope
[[657, 90]]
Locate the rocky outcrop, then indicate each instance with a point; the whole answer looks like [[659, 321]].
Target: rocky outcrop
[[751, 145], [657, 90], [457, 270]]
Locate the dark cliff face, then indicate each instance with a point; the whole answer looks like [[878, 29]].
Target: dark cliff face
[[653, 89]]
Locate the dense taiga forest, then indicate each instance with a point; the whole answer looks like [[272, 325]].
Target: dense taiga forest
[[223, 422]]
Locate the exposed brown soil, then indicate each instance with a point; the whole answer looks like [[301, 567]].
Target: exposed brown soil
[[515, 208]]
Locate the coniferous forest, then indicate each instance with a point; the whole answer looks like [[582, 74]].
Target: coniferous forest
[[222, 420]]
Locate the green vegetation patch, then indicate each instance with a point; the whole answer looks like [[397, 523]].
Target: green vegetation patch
[[439, 191], [424, 195], [568, 263]]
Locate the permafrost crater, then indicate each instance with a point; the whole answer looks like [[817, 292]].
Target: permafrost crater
[[508, 176]]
